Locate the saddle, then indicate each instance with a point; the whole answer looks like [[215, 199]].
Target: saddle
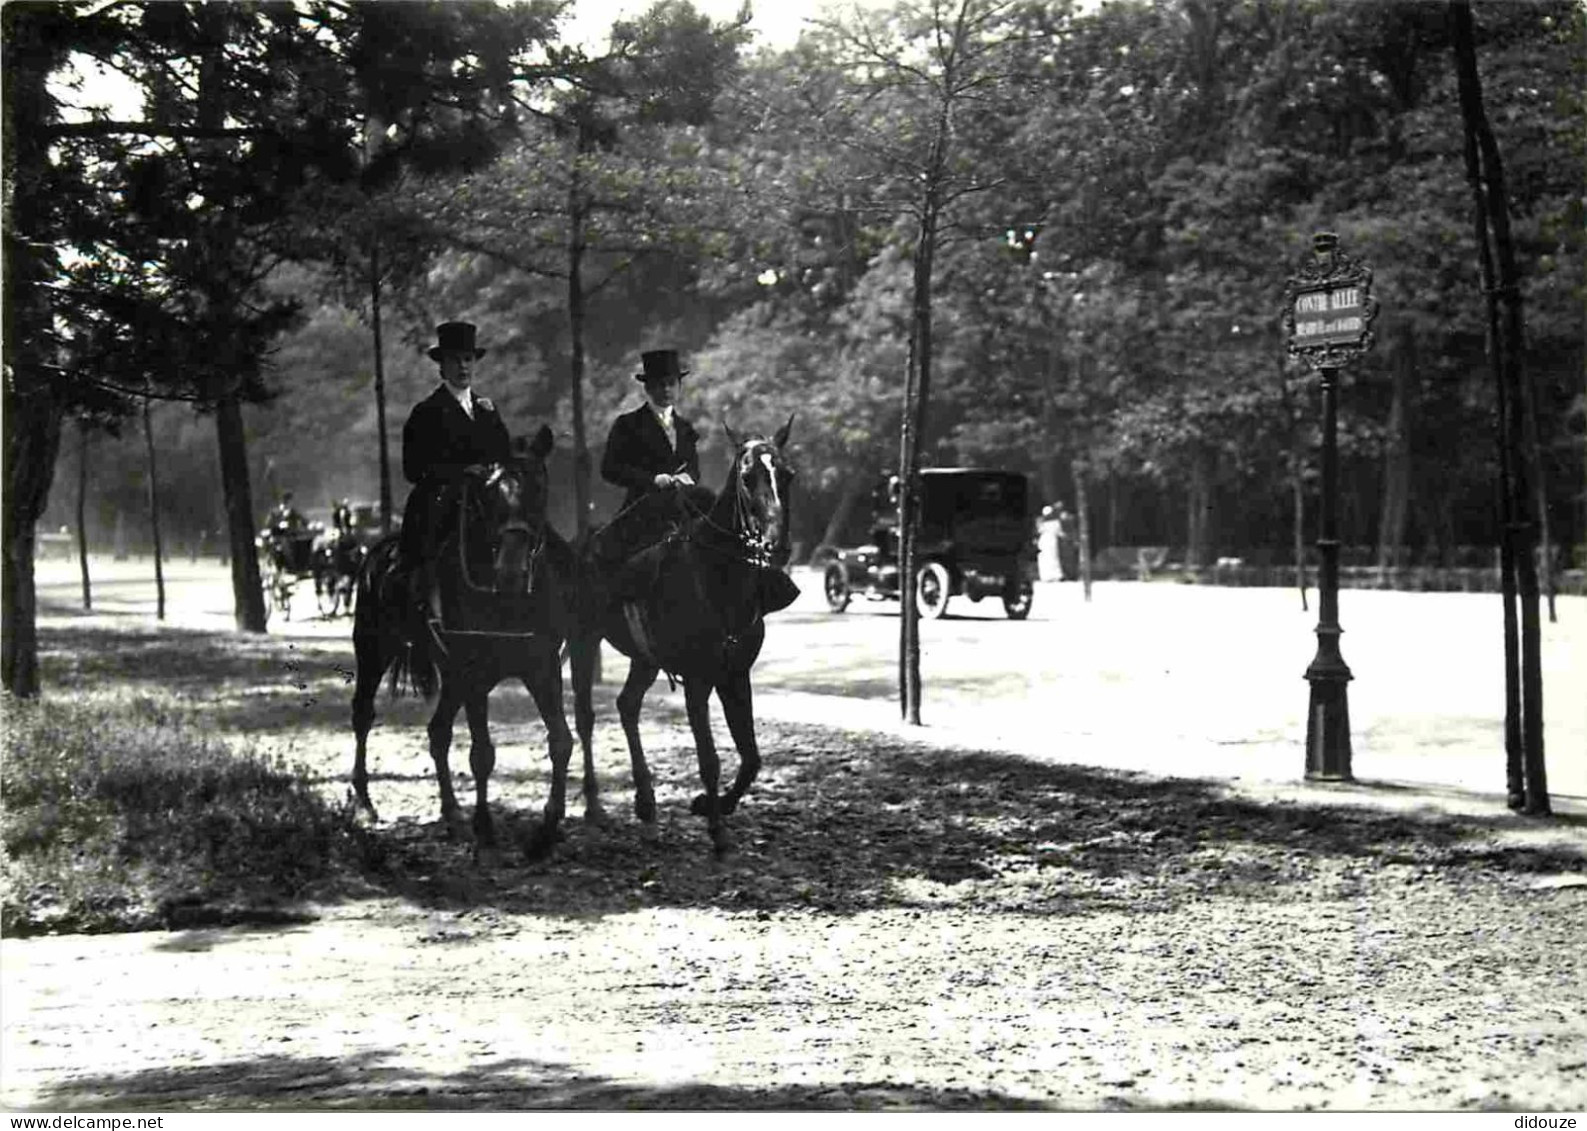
[[630, 552]]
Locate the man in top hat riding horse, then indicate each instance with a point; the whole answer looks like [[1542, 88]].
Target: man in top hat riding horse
[[652, 452], [653, 448], [449, 434]]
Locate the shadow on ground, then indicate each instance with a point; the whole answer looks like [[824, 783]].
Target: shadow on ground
[[361, 1082], [839, 821]]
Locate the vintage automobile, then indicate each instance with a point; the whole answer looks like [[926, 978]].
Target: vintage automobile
[[974, 539]]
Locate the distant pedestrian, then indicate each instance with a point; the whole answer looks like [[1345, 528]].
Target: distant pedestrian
[[1049, 566], [1068, 545]]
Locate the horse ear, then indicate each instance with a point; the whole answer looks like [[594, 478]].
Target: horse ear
[[543, 442], [781, 437], [732, 436]]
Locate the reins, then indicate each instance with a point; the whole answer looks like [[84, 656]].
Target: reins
[[536, 550]]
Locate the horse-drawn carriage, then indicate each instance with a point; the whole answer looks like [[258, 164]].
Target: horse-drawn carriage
[[339, 554], [973, 538], [287, 549], [329, 554]]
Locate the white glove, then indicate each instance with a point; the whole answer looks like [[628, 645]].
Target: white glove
[[684, 479], [663, 480]]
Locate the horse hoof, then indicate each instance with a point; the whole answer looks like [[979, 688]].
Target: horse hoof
[[645, 810], [596, 816], [722, 845]]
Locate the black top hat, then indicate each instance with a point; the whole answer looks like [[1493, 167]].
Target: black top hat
[[454, 337], [660, 365]]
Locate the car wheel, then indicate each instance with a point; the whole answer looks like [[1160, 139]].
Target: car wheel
[[1017, 599], [932, 588], [836, 584]]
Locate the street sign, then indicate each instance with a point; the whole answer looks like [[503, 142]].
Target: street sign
[[1330, 316], [1328, 306]]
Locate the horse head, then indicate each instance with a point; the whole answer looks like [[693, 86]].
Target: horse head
[[512, 501], [760, 484]]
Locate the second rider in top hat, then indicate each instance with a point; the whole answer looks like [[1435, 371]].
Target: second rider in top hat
[[653, 448], [651, 451]]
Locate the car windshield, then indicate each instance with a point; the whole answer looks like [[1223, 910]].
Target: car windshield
[[947, 496]]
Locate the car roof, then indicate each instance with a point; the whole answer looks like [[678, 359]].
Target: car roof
[[971, 472]]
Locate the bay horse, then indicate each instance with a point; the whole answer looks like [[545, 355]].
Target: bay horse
[[508, 587], [698, 613]]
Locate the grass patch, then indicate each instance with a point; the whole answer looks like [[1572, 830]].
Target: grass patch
[[127, 815]]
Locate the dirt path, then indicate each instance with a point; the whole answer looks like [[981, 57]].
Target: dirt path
[[909, 921], [901, 927]]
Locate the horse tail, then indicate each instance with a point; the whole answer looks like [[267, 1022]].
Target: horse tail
[[383, 610], [415, 668]]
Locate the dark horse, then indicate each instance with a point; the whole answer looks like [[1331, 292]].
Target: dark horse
[[693, 605], [508, 587]]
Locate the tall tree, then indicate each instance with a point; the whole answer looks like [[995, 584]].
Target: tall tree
[[927, 89], [1516, 405], [602, 177]]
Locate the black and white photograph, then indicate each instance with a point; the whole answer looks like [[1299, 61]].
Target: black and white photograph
[[793, 556]]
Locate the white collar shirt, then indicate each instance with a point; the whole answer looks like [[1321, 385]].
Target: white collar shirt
[[668, 421], [465, 398]]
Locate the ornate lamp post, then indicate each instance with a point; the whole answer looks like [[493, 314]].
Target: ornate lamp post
[[1328, 313]]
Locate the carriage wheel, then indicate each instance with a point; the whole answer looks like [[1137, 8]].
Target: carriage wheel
[[1017, 599], [837, 587], [932, 589], [328, 592], [283, 588]]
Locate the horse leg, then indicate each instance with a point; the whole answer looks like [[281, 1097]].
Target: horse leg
[[546, 689], [581, 663], [481, 761], [629, 702], [697, 696], [739, 710], [440, 730], [368, 663]]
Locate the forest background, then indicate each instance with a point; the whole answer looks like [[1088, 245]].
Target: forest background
[[1138, 180]]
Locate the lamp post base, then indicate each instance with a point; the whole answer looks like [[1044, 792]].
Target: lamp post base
[[1328, 727]]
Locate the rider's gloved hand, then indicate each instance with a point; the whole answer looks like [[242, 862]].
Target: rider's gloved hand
[[664, 480], [683, 479]]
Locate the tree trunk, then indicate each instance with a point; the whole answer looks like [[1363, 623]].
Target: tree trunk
[[855, 485], [578, 212], [82, 514], [33, 434], [1198, 533], [154, 513], [1397, 461], [218, 245], [380, 386], [1083, 514], [30, 411], [917, 404], [247, 595], [1494, 208], [1534, 459]]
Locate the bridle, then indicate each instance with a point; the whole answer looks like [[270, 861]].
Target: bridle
[[746, 535], [535, 531]]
